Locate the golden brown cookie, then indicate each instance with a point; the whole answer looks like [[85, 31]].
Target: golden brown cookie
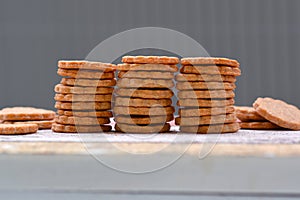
[[89, 74], [18, 129], [83, 64], [205, 102], [259, 126], [138, 102], [118, 110], [82, 90], [278, 112], [83, 106], [25, 113], [68, 120], [196, 112], [205, 78], [206, 94], [206, 120], [209, 61], [205, 85], [144, 93], [147, 67], [60, 128], [144, 83], [45, 124], [222, 70], [85, 98], [150, 60], [88, 82], [245, 114], [223, 128], [126, 128], [143, 120], [146, 75], [103, 114]]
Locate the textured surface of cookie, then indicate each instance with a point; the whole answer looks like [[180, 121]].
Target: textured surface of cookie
[[144, 93], [83, 64], [82, 90], [18, 129], [150, 60], [206, 120], [126, 128], [144, 120], [88, 74], [81, 97], [83, 106], [138, 102], [144, 83], [196, 112], [205, 85], [259, 126], [278, 112], [205, 77], [81, 120], [209, 61], [205, 103], [60, 128], [45, 124], [146, 74], [246, 113], [88, 82], [25, 113], [223, 70], [223, 128], [205, 94], [147, 67], [85, 113], [118, 110]]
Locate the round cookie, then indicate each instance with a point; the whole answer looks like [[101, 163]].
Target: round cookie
[[146, 75], [206, 94], [205, 102], [278, 112], [144, 83], [205, 85], [25, 113], [209, 61], [82, 90], [196, 112], [85, 98], [206, 120], [88, 74], [144, 93], [46, 124], [67, 120], [222, 70], [60, 128], [118, 110], [126, 128], [88, 82], [223, 128], [103, 114], [18, 129], [205, 78], [83, 64], [143, 120], [83, 106], [150, 60], [137, 102], [245, 114], [147, 67], [259, 126]]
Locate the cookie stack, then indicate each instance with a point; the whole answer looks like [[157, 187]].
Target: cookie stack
[[206, 95], [143, 102], [84, 96]]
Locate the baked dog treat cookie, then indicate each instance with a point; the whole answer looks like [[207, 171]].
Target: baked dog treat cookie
[[137, 102], [118, 110], [82, 90], [196, 112], [206, 120], [144, 93], [144, 120], [67, 120], [259, 126], [89, 74], [145, 75], [206, 94], [144, 83], [82, 64], [46, 124], [246, 114], [278, 112], [25, 113], [223, 70], [60, 128], [88, 82], [83, 106], [150, 60], [126, 128], [209, 61], [100, 113], [18, 129], [205, 78], [85, 98], [205, 85], [205, 102], [223, 128], [147, 67]]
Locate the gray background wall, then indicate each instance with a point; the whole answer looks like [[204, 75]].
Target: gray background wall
[[262, 34]]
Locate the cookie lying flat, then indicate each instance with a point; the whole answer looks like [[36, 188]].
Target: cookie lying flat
[[83, 64], [83, 106], [146, 74], [103, 114], [144, 111], [80, 129], [142, 129], [196, 112], [259, 126], [82, 90], [205, 77], [46, 124], [138, 102], [85, 98], [206, 120], [89, 74], [147, 67], [25, 113], [278, 112], [209, 61], [67, 120], [222, 70], [88, 82], [205, 94], [144, 120], [205, 102], [205, 85], [245, 114], [18, 129], [223, 128], [144, 93], [150, 60], [144, 83]]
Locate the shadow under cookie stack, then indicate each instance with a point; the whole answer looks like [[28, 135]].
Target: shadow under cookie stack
[[143, 102], [84, 97], [206, 95]]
